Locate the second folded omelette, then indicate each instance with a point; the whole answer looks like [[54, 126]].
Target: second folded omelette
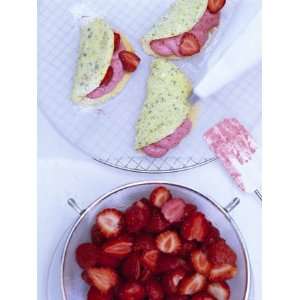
[[166, 116], [184, 30]]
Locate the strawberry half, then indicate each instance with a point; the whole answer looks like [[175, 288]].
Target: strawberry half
[[192, 284], [132, 291], [96, 235], [154, 290], [87, 255], [95, 294], [117, 41], [160, 196], [200, 262], [178, 297], [195, 227], [215, 5], [85, 278], [108, 76], [189, 44], [189, 209], [203, 296], [144, 242], [187, 248], [168, 242], [106, 260], [157, 222], [137, 216], [103, 279], [173, 210], [219, 290], [213, 235], [220, 253], [222, 273], [110, 222], [131, 267], [150, 258], [172, 279], [130, 61], [168, 262], [118, 247]]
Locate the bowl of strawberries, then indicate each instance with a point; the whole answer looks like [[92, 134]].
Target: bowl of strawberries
[[156, 241]]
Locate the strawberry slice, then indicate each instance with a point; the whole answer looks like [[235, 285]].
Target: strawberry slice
[[95, 294], [131, 267], [215, 5], [137, 216], [130, 61], [157, 222], [110, 222], [108, 76], [173, 210], [200, 262], [150, 258], [219, 290], [103, 279], [144, 242], [213, 235], [192, 284], [117, 41], [220, 253], [160, 196], [203, 296], [195, 227], [187, 248], [189, 44], [168, 262], [171, 280], [87, 255], [168, 242], [132, 291], [154, 290], [106, 260], [222, 273], [96, 235], [118, 247]]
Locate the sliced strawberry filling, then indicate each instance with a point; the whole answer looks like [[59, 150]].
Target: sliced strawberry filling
[[117, 75], [163, 146], [122, 61], [183, 44]]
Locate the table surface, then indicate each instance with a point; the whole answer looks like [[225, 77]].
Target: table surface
[[64, 172]]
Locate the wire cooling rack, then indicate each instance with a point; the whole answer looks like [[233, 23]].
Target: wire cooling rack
[[107, 134]]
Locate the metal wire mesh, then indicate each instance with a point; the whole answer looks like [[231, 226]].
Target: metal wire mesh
[[107, 134]]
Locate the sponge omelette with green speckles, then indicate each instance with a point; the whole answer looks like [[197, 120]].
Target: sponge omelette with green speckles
[[164, 119]]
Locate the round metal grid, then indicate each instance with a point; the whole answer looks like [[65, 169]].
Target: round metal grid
[[107, 134]]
